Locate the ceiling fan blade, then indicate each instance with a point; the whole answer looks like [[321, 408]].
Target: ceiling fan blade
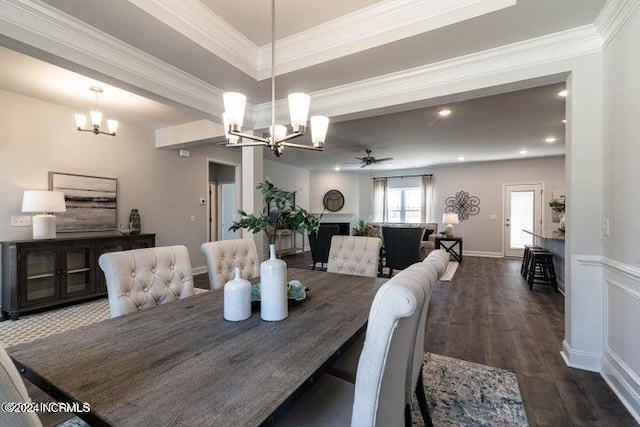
[[384, 159], [364, 165]]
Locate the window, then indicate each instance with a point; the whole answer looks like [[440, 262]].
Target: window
[[403, 199], [404, 204]]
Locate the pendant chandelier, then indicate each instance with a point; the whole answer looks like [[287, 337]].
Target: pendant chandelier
[[96, 119], [278, 136]]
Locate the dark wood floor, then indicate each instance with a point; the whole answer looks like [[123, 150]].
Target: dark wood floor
[[488, 315]]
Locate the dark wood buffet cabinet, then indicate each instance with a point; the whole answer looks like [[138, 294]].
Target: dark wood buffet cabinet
[[43, 274]]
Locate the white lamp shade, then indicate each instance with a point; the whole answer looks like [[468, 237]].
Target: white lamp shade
[[299, 109], [81, 121], [234, 104], [43, 201], [112, 126], [280, 131], [232, 139], [319, 126], [96, 117], [450, 218]]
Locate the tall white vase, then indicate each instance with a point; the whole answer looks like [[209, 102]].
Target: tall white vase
[[273, 288]]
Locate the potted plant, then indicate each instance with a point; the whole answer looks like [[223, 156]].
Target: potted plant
[[360, 229], [273, 271], [558, 206]]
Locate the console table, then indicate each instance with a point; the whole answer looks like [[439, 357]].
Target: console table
[[453, 245], [43, 274]]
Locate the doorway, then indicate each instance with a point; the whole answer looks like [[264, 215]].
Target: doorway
[[522, 211], [224, 197]]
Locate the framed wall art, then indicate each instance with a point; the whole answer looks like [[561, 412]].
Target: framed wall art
[[91, 202]]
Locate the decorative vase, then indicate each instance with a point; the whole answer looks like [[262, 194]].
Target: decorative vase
[[563, 223], [134, 222], [273, 288], [237, 298]]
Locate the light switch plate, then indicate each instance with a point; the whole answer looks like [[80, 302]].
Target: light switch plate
[[493, 217], [21, 221]]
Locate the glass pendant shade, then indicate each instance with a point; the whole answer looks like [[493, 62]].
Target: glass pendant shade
[[233, 139], [280, 131], [96, 117], [234, 104], [112, 125], [81, 121], [319, 126], [299, 109]]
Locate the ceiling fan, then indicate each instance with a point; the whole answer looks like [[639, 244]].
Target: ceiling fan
[[369, 160]]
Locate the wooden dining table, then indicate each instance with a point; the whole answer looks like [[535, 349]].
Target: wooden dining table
[[182, 364]]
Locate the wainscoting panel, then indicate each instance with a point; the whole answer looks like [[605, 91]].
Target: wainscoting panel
[[621, 358]]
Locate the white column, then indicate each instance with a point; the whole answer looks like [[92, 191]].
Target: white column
[[252, 174]]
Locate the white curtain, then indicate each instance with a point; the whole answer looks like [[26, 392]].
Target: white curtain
[[427, 199], [380, 199]]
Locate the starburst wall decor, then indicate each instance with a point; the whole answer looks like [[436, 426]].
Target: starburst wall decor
[[462, 204]]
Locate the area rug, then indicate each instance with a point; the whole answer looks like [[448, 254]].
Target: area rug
[[447, 276], [461, 393], [33, 326]]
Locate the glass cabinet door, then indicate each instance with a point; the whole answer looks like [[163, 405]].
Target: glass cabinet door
[[40, 274], [77, 274]]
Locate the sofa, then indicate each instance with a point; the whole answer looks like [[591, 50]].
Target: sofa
[[430, 229]]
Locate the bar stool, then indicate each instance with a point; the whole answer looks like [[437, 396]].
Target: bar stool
[[541, 271], [525, 259]]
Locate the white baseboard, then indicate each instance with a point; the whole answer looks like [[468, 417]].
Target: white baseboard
[[483, 254], [623, 381], [580, 359], [199, 270]]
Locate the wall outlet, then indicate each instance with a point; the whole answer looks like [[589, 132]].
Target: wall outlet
[[21, 221]]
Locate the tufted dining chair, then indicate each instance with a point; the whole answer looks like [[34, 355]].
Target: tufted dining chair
[[141, 279], [355, 255], [378, 396], [221, 257]]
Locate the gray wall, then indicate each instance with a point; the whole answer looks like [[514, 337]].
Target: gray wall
[[38, 137]]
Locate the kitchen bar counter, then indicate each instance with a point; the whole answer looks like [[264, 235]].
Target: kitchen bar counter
[[554, 243]]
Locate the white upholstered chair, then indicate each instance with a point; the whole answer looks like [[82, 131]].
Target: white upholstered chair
[[221, 257], [12, 389], [439, 258], [425, 276], [354, 255], [141, 279], [378, 396]]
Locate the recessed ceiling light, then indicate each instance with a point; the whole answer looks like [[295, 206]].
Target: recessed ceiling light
[[444, 112], [564, 120], [460, 158], [337, 168], [563, 93], [523, 152], [551, 139]]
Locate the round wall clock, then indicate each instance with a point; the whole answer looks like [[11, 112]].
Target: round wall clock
[[333, 200]]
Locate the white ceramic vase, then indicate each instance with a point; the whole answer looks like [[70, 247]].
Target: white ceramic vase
[[273, 288], [237, 298]]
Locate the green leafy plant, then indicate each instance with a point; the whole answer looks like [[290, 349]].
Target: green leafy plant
[[557, 205], [275, 199], [360, 229]]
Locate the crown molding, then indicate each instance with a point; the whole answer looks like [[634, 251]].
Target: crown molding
[[411, 85], [197, 22], [379, 24], [613, 16], [38, 25]]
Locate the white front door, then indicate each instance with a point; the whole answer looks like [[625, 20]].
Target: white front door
[[522, 211]]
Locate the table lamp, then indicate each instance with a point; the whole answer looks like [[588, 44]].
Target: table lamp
[[449, 219], [44, 202]]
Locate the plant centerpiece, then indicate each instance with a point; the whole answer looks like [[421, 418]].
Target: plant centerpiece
[[277, 213], [558, 206], [360, 229]]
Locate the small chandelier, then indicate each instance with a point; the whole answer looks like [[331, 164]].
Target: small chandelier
[[277, 138], [96, 119]]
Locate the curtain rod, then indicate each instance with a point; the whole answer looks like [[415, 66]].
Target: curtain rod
[[403, 176]]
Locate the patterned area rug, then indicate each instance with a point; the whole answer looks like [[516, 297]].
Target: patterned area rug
[[34, 326], [461, 393]]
